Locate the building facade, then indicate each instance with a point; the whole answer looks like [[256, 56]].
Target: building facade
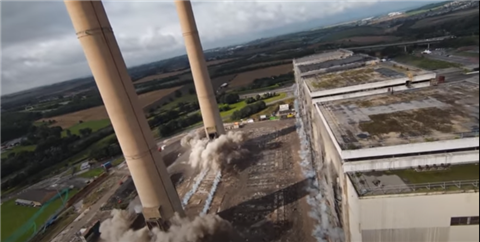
[[399, 153]]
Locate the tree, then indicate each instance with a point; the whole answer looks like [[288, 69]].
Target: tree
[[258, 97], [178, 93], [192, 91], [69, 133], [80, 122], [85, 132]]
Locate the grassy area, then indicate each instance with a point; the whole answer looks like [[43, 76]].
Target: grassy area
[[235, 107], [425, 63], [468, 54], [455, 173], [13, 217], [278, 97], [353, 32], [118, 161], [271, 109], [18, 149], [92, 173], [185, 99], [94, 125]]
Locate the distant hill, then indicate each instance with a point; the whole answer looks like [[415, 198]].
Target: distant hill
[[429, 6]]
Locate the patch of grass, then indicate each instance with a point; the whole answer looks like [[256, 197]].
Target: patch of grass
[[13, 216], [235, 107], [468, 54], [118, 161], [184, 98], [92, 173], [18, 149], [94, 125], [455, 173], [425, 63], [278, 97], [353, 32], [414, 123]]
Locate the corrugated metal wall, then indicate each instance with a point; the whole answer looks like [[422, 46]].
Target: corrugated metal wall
[[407, 235]]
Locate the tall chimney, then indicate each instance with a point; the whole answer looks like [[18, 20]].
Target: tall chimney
[[156, 191], [203, 85]]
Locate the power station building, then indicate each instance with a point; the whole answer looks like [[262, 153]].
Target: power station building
[[399, 150]]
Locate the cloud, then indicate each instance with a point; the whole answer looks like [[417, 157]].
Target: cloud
[[39, 45]]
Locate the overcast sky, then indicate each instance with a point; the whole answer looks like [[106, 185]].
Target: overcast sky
[[39, 45]]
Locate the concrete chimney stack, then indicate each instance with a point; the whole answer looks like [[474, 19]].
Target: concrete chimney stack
[[203, 85], [159, 198]]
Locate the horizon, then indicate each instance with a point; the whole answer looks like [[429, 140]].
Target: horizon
[[285, 29]]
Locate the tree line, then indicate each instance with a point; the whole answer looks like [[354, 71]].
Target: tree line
[[269, 81], [27, 167], [249, 110]]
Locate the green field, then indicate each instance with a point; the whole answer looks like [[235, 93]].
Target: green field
[[353, 32], [185, 99], [278, 97], [14, 216], [18, 149], [94, 125], [235, 107], [92, 173], [425, 63]]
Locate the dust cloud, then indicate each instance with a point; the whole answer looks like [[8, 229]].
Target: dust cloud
[[206, 228], [218, 154]]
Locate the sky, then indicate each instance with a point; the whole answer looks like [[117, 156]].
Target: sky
[[39, 45]]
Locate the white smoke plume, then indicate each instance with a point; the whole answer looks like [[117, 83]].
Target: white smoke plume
[[216, 154], [206, 228], [325, 229]]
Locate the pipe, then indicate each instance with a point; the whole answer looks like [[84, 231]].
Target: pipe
[[155, 189], [203, 85]]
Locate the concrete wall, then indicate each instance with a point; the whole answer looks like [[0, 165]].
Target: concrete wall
[[466, 157], [412, 148], [421, 218]]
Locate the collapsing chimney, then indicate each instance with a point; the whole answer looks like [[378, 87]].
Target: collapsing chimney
[[203, 85], [155, 189]]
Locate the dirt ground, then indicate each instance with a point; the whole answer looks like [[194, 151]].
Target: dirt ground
[[264, 198], [100, 113], [248, 77]]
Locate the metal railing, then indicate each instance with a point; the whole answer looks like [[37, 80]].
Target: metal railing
[[418, 188]]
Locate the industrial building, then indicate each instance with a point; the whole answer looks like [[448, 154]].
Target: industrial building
[[399, 150]]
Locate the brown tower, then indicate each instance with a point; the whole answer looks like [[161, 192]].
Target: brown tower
[[203, 85], [159, 198]]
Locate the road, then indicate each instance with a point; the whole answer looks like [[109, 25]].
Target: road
[[426, 41], [86, 216], [287, 90]]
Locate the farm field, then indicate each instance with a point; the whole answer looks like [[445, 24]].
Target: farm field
[[425, 63], [248, 77], [100, 113], [14, 216], [94, 125], [161, 76], [18, 149], [175, 73], [366, 40], [442, 19]]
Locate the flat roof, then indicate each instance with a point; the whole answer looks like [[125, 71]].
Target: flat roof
[[445, 112], [323, 56], [38, 195], [335, 62], [383, 71], [416, 180]]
